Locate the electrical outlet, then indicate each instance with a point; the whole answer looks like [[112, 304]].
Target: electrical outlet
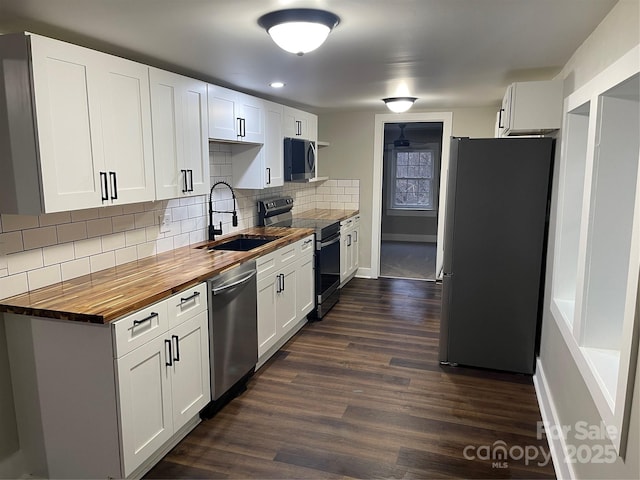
[[165, 222]]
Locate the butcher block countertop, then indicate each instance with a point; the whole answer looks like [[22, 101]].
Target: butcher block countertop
[[107, 295], [327, 214]]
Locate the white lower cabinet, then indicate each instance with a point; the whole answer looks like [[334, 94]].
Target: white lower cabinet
[[285, 294], [162, 385], [112, 399], [349, 248]]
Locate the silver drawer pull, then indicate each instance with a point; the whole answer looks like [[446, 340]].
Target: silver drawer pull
[[190, 297], [139, 322]]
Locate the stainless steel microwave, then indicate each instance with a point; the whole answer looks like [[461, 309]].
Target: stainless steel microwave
[[299, 159]]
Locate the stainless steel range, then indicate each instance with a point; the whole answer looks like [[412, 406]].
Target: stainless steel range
[[276, 212]]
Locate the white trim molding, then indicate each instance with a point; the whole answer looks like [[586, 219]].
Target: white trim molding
[[557, 443], [378, 151]]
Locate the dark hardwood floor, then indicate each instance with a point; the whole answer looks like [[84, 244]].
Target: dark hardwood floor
[[361, 395]]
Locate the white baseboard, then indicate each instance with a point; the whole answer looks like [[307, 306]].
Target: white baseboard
[[557, 446], [364, 273], [404, 237]]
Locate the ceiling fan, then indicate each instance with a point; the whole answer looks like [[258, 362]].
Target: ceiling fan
[[401, 141]]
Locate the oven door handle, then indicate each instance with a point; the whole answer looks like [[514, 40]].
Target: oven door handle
[[331, 242]]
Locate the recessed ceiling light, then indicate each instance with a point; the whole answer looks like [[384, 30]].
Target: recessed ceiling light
[[276, 84]]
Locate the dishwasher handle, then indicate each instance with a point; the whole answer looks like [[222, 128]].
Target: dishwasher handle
[[227, 286]]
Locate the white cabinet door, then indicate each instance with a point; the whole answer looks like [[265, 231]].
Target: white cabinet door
[[355, 249], [273, 145], [195, 134], [305, 288], [286, 308], [180, 134], [267, 326], [144, 386], [223, 124], [166, 119], [126, 123], [190, 387], [235, 116], [250, 111], [65, 80], [94, 127], [300, 124]]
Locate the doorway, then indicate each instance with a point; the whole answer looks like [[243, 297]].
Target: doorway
[[410, 197], [410, 182]]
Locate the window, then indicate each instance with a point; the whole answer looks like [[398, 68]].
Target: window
[[413, 179]]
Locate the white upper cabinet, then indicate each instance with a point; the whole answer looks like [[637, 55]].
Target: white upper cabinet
[[260, 167], [79, 129], [235, 116], [530, 108], [180, 134], [300, 124]]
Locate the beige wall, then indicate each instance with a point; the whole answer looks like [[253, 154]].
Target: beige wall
[[617, 34], [351, 152]]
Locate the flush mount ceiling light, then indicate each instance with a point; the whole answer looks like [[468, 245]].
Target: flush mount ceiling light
[[399, 104], [276, 84], [299, 30]]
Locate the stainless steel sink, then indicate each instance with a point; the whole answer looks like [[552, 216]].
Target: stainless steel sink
[[243, 243]]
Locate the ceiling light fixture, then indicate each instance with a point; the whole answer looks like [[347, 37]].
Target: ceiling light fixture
[[399, 104], [276, 84], [299, 30]]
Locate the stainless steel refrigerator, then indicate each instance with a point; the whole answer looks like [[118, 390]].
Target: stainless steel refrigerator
[[494, 252]]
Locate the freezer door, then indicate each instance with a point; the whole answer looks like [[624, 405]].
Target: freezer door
[[447, 263]]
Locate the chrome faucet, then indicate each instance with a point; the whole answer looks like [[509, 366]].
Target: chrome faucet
[[234, 219]]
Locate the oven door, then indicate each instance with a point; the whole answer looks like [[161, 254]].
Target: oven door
[[327, 267]]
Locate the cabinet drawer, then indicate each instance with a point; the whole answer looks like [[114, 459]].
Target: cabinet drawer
[[287, 253], [305, 245], [184, 305], [267, 264], [346, 224], [134, 330]]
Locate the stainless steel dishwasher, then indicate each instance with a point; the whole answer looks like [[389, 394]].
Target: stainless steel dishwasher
[[233, 333]]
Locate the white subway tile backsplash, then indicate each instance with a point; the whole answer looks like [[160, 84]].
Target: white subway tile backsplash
[[83, 215], [44, 276], [99, 227], [13, 285], [126, 255], [40, 250], [54, 218], [11, 242], [102, 261], [75, 268], [135, 237], [144, 219], [88, 247], [133, 208], [69, 232], [55, 254], [113, 241], [24, 261], [39, 237], [123, 223], [11, 223], [164, 244], [146, 249]]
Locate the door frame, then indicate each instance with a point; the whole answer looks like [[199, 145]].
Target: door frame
[[378, 151]]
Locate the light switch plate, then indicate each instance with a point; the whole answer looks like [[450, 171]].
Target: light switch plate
[[165, 222]]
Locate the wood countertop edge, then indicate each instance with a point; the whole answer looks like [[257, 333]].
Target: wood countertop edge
[[49, 301], [327, 214]]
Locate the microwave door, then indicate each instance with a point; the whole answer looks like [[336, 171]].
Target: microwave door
[[311, 160]]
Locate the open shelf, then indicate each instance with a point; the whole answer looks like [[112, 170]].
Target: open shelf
[[594, 291], [570, 210]]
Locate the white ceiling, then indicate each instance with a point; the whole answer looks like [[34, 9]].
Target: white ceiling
[[449, 53]]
